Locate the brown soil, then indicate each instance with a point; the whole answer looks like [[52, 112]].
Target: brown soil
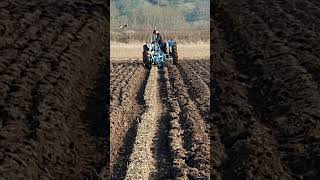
[[52, 86], [127, 89], [180, 145], [266, 98]]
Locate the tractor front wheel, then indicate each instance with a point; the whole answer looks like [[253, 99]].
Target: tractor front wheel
[[174, 54], [145, 57]]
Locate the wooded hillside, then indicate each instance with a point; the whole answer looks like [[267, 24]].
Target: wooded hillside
[[187, 20]]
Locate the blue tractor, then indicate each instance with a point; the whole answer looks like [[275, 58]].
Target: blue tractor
[[155, 53]]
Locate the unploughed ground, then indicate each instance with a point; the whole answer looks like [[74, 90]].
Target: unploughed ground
[[121, 51]]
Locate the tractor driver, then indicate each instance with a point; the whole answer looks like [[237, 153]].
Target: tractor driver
[[159, 39]]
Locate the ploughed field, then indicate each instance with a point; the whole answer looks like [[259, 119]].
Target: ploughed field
[[52, 89], [159, 120], [266, 89]]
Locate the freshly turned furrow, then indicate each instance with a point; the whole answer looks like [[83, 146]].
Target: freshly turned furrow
[[22, 87], [33, 41], [309, 7], [246, 141], [117, 74], [141, 159], [203, 73], [308, 58], [316, 3], [185, 134], [120, 77], [127, 91], [282, 95], [28, 22], [121, 68], [217, 152], [28, 58], [205, 66], [122, 93], [52, 59], [180, 168], [198, 89], [19, 32], [116, 93], [124, 85], [40, 90], [301, 12], [122, 74], [196, 140], [123, 123]]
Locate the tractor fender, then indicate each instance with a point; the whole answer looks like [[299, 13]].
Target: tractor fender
[[171, 42]]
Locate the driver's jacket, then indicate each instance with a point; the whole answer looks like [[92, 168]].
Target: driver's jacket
[[159, 39]]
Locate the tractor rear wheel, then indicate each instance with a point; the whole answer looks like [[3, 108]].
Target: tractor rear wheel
[[174, 54], [146, 61], [145, 48]]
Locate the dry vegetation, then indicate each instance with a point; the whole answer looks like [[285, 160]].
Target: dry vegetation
[[182, 20], [134, 50], [188, 35]]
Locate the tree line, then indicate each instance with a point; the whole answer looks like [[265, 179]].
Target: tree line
[[163, 14]]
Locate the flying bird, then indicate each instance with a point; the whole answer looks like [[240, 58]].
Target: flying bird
[[124, 26]]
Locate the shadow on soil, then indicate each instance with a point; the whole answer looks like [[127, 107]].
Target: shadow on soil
[[95, 118], [120, 168], [162, 143]]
